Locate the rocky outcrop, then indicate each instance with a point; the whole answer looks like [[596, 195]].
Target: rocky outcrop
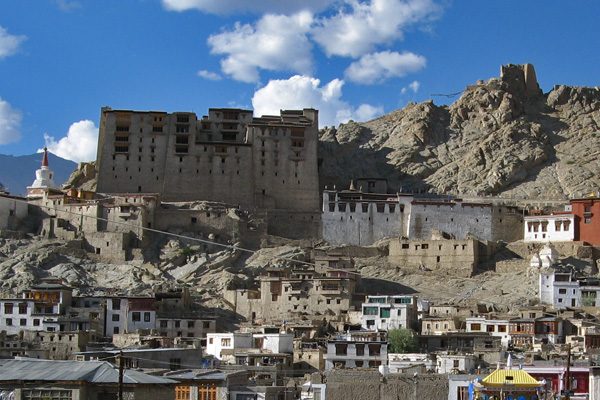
[[501, 137], [83, 178]]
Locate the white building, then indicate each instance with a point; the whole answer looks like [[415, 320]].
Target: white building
[[276, 343], [399, 362], [495, 327], [44, 179], [455, 363], [39, 309], [357, 350], [389, 312], [559, 288], [129, 314], [217, 343], [549, 228]]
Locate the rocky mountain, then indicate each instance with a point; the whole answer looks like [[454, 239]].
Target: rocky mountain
[[501, 137], [18, 172]]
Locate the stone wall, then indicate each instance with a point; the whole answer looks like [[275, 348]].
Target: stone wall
[[371, 385], [461, 220], [12, 211], [459, 256], [357, 218]]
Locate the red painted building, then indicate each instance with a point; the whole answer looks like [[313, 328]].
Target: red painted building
[[555, 378], [587, 219]]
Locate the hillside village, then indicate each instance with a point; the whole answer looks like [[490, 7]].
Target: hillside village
[[236, 256]]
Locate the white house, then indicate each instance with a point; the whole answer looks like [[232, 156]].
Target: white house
[[216, 343], [357, 350], [455, 363], [129, 314], [549, 228], [495, 327], [274, 342], [558, 288], [389, 312]]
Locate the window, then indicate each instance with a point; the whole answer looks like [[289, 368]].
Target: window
[[116, 304], [8, 308], [22, 322], [226, 342], [163, 323], [190, 324], [23, 308], [115, 317], [177, 324], [36, 322], [587, 220], [384, 313], [146, 317], [46, 394], [455, 363], [562, 291], [205, 324], [208, 392], [8, 321], [475, 327], [136, 316], [182, 393], [116, 330]]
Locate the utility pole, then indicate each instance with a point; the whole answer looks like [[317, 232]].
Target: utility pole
[[121, 368], [568, 373]]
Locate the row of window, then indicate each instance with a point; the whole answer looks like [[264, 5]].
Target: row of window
[[22, 322]]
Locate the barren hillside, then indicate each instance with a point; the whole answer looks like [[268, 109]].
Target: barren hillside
[[496, 139]]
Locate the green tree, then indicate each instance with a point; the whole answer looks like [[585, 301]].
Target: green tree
[[402, 341]]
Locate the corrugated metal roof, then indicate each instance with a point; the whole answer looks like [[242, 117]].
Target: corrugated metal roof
[[513, 377], [88, 371]]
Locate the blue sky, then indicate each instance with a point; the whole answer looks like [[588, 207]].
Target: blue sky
[[61, 60]]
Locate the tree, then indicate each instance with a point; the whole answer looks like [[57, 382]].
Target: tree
[[402, 341]]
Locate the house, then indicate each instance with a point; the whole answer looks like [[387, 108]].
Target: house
[[556, 227], [587, 219], [41, 308], [389, 312], [129, 314], [495, 327], [450, 363], [219, 343], [438, 325], [358, 349], [205, 384], [90, 380]]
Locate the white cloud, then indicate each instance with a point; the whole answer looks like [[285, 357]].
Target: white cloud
[[301, 91], [68, 5], [211, 76], [10, 123], [242, 6], [9, 44], [275, 43], [80, 143], [370, 23], [414, 86], [377, 67]]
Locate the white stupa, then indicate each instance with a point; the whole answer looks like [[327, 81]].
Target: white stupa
[[43, 179], [548, 255]]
